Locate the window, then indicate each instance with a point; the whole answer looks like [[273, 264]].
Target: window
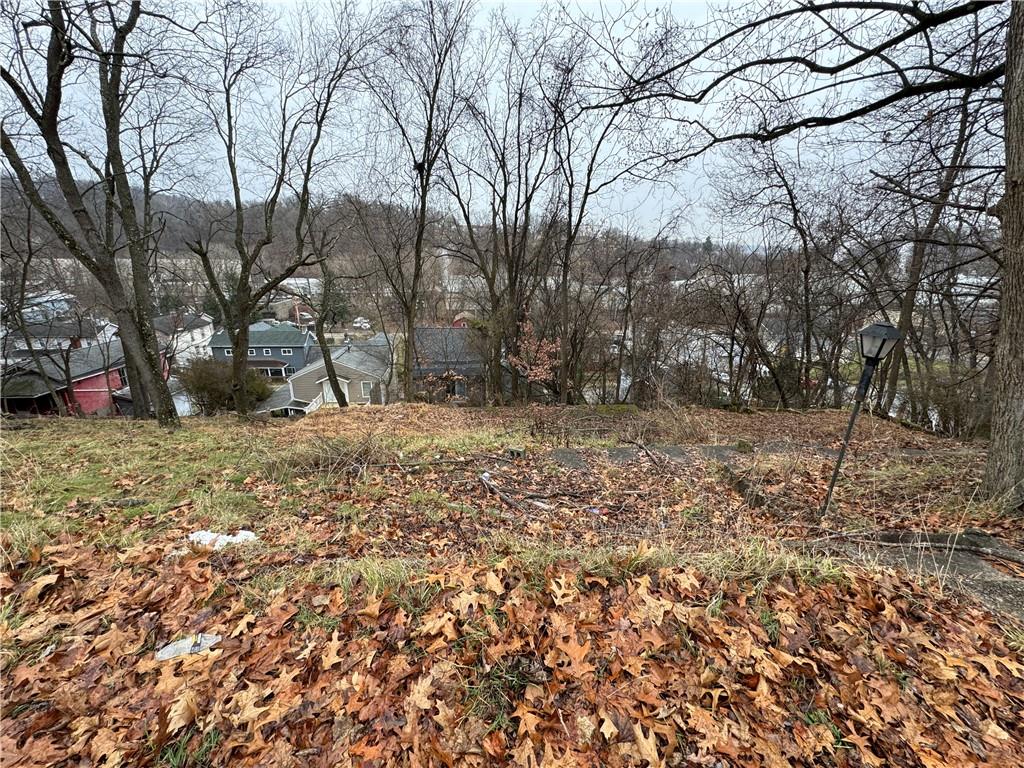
[[367, 387], [252, 352], [289, 371], [228, 353], [266, 352], [286, 350]]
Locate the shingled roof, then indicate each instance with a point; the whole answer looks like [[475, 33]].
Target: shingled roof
[[59, 328], [23, 379], [440, 350], [179, 321], [265, 335]]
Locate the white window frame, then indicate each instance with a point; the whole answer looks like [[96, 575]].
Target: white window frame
[[366, 387], [286, 350], [228, 353], [267, 352], [252, 352]]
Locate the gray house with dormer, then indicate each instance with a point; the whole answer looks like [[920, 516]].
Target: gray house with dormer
[[275, 349]]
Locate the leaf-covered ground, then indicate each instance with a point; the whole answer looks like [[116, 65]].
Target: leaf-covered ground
[[619, 588]]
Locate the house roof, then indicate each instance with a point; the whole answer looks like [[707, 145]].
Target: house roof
[[266, 335], [439, 350], [306, 286], [372, 361], [369, 360], [23, 379], [180, 321], [123, 396], [173, 384], [280, 398], [60, 329], [379, 339]]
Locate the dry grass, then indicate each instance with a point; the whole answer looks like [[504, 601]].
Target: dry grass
[[402, 483]]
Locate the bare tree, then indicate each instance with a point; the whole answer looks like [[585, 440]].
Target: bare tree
[[328, 233], [1004, 473], [282, 142], [826, 64], [499, 173], [594, 151], [69, 45], [419, 84], [18, 249]]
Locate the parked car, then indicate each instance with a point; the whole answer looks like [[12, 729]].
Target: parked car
[[361, 323]]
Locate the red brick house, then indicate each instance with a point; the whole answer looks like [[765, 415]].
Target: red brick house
[[94, 374]]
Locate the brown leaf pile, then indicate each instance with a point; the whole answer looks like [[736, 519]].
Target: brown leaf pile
[[481, 666]]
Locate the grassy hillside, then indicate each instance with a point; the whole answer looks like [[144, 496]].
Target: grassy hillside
[[435, 586]]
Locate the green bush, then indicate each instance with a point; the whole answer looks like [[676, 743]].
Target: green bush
[[208, 384]]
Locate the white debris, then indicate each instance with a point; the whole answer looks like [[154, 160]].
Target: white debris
[[215, 541], [187, 645]]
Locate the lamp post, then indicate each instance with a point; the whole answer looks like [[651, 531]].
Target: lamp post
[[876, 342]]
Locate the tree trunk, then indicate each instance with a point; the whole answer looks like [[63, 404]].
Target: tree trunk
[[805, 367], [620, 357], [887, 394], [1004, 474], [332, 377], [141, 404], [64, 361], [497, 384], [139, 396], [150, 376], [240, 366], [409, 352], [563, 356], [161, 399]]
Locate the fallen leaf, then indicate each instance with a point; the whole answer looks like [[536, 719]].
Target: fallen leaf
[[35, 590], [183, 710]]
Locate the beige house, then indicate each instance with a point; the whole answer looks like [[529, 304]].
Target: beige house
[[362, 374]]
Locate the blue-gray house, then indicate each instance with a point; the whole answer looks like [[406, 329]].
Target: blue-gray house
[[275, 349]]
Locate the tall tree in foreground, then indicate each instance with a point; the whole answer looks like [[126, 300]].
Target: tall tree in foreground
[[326, 230], [108, 46], [594, 152]]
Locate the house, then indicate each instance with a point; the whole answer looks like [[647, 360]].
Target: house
[[291, 300], [449, 364], [275, 349], [182, 402], [52, 335], [363, 373], [48, 305], [185, 335], [292, 310], [95, 372]]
